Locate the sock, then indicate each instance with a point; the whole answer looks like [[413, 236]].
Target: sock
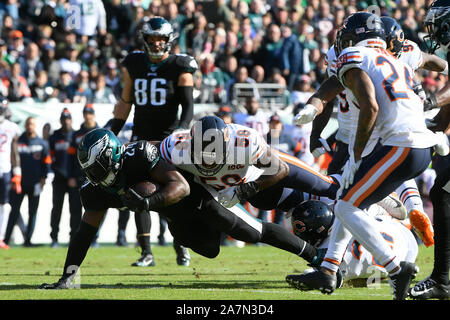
[[338, 242], [143, 226], [409, 195], [281, 238], [363, 228], [78, 248]]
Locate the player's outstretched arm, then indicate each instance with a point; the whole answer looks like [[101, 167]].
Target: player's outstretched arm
[[434, 63], [274, 168]]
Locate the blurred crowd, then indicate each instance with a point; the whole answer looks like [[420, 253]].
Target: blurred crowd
[[70, 50]]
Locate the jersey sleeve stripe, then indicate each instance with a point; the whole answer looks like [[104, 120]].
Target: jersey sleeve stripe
[[164, 150]]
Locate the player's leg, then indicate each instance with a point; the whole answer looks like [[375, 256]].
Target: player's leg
[[162, 230], [411, 199], [5, 186], [437, 284], [15, 202], [75, 208], [124, 216], [58, 193], [143, 226], [340, 157], [304, 178], [33, 204]]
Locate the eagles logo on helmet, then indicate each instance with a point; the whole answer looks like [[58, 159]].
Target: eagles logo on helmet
[[157, 35]]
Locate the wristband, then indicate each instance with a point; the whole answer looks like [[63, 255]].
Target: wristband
[[247, 190]]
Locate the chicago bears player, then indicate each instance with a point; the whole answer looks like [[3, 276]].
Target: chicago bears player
[[436, 285], [156, 83], [9, 165], [313, 221], [389, 104], [194, 217], [408, 52], [235, 164]]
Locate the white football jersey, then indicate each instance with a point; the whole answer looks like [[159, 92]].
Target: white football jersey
[[8, 130], [411, 55], [400, 121], [85, 16], [246, 146], [343, 114], [259, 122]]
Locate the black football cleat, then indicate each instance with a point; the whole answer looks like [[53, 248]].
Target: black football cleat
[[183, 256], [400, 282], [146, 260], [430, 289], [316, 280]]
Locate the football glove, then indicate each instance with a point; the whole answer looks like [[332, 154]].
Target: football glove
[[305, 115], [348, 174], [231, 196], [317, 152], [418, 89], [63, 283], [430, 102], [442, 147]]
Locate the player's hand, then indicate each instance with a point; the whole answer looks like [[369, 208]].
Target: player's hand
[[133, 201], [305, 115], [418, 89], [430, 102], [442, 147], [317, 152], [228, 197], [63, 283], [16, 181], [348, 175]]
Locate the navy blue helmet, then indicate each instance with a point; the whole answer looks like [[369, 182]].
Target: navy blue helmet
[[395, 37], [209, 144], [311, 221], [361, 28]]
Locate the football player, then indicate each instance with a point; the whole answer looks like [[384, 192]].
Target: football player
[[313, 221], [235, 164], [437, 22], [194, 217], [156, 82], [408, 52], [9, 166], [380, 92]]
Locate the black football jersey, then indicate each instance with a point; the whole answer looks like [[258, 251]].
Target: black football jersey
[[156, 93], [139, 159]]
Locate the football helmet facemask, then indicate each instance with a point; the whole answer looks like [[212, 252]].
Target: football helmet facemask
[[311, 221], [100, 156], [152, 31], [437, 23]]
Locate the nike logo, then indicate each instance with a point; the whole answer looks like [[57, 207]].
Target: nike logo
[[200, 205]]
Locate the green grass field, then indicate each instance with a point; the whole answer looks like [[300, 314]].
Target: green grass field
[[249, 273]]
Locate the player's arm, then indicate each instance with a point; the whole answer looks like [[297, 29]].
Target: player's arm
[[433, 63], [274, 168], [186, 89], [123, 106], [319, 123], [15, 164], [315, 105], [363, 89]]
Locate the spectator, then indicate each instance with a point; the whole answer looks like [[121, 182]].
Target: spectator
[[213, 80], [51, 65], [31, 63], [257, 74], [102, 93], [302, 90], [255, 117], [16, 84], [70, 63], [59, 143], [16, 47], [35, 163], [270, 54], [112, 76], [92, 20], [65, 89], [118, 18], [41, 90], [241, 77], [245, 55], [196, 36], [83, 93], [291, 51], [90, 54]]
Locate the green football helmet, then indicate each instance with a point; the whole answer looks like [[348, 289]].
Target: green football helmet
[[437, 23], [100, 156], [157, 26]]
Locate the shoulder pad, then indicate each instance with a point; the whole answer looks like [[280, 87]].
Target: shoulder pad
[[349, 58], [186, 62]]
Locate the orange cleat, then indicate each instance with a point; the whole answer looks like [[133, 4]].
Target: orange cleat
[[3, 245], [423, 227]]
